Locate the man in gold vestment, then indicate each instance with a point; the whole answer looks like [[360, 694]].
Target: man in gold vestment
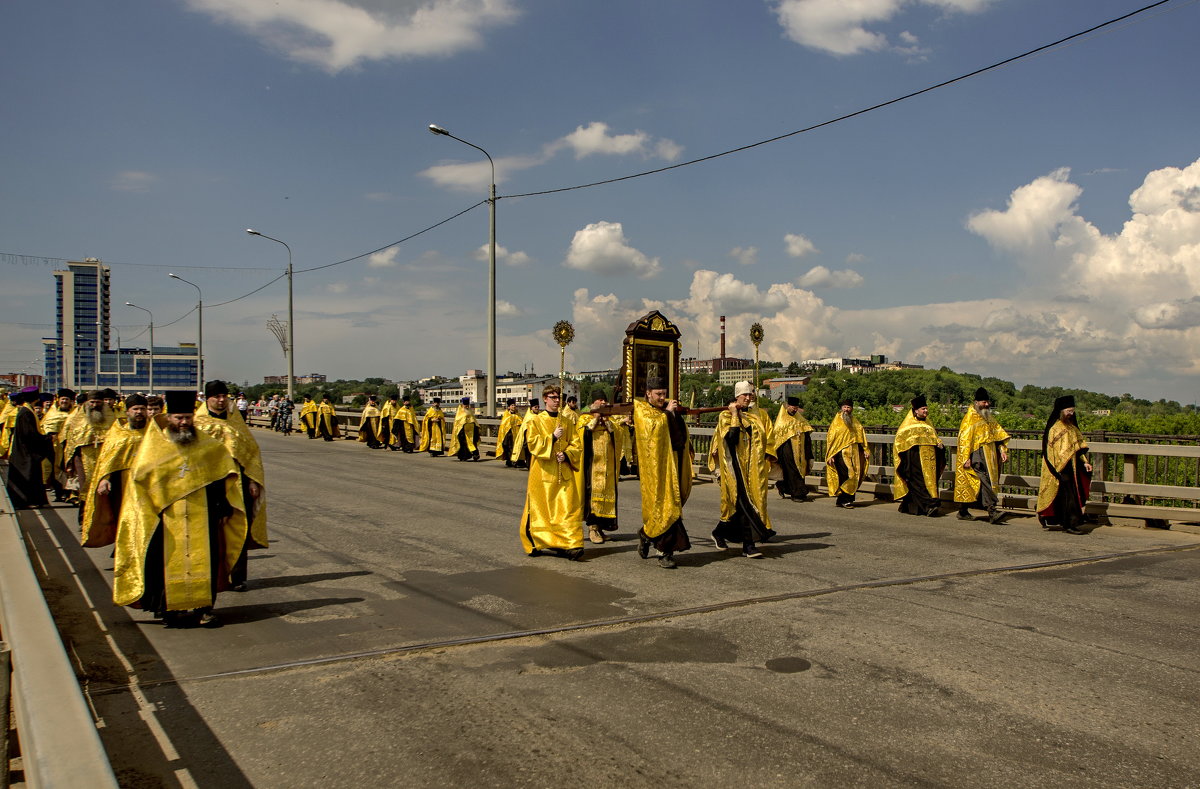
[[53, 423], [217, 419], [433, 430], [369, 424], [791, 444], [102, 505], [83, 435], [182, 523], [404, 428], [510, 423], [982, 448], [464, 436], [846, 455], [8, 417], [386, 413], [919, 458], [739, 453], [520, 452], [327, 425], [308, 417], [1066, 472], [603, 438], [665, 473], [552, 519]]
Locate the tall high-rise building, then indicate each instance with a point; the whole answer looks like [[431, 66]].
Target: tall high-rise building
[[80, 355]]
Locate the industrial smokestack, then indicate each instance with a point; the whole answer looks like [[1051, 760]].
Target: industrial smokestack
[[722, 336]]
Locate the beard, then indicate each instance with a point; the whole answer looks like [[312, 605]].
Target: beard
[[847, 419], [986, 413], [180, 435], [96, 415], [1068, 420], [138, 422]]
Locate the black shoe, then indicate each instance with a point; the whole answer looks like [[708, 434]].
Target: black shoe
[[574, 554], [781, 492], [209, 619], [1073, 530], [238, 587], [848, 505], [934, 514], [719, 541], [533, 553], [643, 547], [995, 516], [963, 515], [751, 551], [667, 562]]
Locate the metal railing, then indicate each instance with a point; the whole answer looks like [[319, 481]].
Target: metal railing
[[60, 746], [1151, 481]]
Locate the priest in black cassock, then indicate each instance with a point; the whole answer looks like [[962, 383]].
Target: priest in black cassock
[[919, 458], [26, 487]]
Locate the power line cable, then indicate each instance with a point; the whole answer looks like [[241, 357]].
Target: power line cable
[[848, 116], [394, 243]]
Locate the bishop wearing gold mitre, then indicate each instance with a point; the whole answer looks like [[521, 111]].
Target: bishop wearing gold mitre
[[464, 436], [552, 520], [102, 504], [603, 438], [433, 430], [1066, 472], [404, 428], [845, 455], [740, 456], [369, 424], [982, 448], [791, 443], [216, 418], [510, 423], [919, 458], [665, 473], [182, 524]]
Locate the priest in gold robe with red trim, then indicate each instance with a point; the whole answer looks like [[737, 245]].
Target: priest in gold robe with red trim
[[1066, 472]]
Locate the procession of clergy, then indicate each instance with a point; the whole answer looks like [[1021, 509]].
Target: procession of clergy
[[175, 485], [575, 460], [178, 486]]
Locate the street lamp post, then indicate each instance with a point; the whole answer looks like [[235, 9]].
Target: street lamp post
[[491, 382], [200, 335], [291, 349], [151, 314]]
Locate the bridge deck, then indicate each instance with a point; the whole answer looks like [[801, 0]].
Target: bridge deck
[[386, 640]]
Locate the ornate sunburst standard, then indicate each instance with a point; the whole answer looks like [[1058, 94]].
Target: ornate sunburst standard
[[756, 337], [563, 332]]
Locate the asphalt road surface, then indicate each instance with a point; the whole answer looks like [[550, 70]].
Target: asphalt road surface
[[394, 634]]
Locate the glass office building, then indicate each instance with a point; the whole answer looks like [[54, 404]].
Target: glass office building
[[81, 355]]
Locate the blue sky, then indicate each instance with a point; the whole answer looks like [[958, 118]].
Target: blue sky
[[1040, 222]]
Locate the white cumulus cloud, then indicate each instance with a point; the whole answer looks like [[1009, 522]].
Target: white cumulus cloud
[[339, 34], [595, 139], [821, 277], [602, 248], [843, 27], [504, 255], [747, 256], [798, 246], [384, 258]]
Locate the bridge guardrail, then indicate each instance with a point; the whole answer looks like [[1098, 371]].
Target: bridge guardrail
[[60, 746], [1018, 491]]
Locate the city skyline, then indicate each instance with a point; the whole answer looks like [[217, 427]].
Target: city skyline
[[1038, 223]]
